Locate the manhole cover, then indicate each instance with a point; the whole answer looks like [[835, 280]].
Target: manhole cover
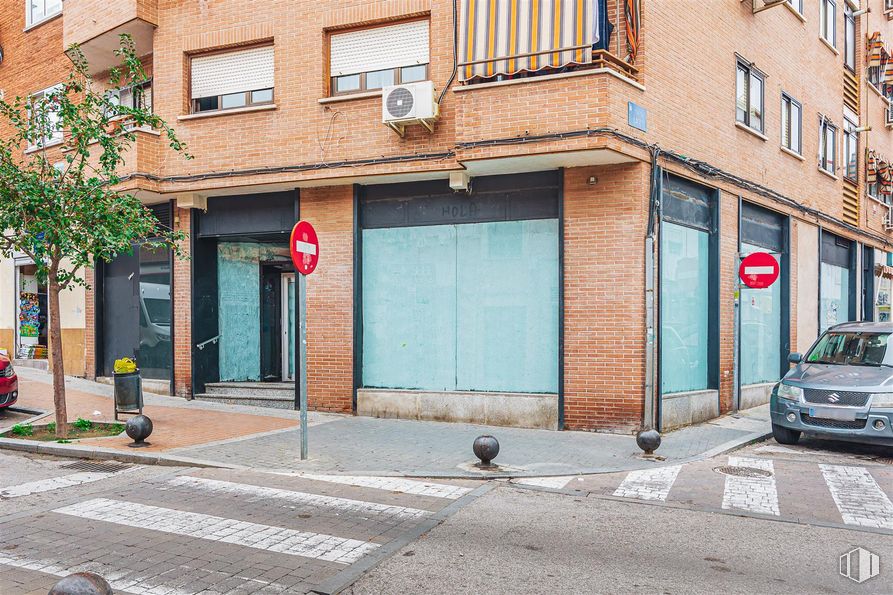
[[742, 471], [97, 467]]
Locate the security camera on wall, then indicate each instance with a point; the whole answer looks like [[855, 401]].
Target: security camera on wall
[[460, 182]]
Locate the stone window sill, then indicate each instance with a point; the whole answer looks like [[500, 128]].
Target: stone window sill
[[752, 131], [794, 12], [792, 153], [829, 174], [349, 97], [829, 46], [37, 148], [42, 22], [228, 112]]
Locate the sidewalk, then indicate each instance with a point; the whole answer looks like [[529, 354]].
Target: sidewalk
[[250, 437]]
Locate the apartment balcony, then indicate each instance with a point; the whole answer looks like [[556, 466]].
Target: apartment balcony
[[141, 162], [96, 26]]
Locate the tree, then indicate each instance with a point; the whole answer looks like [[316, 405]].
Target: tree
[[69, 214]]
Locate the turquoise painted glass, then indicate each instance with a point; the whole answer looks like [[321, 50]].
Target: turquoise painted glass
[[760, 330], [469, 307], [684, 308]]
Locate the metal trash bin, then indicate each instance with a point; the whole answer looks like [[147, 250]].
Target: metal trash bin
[[128, 393]]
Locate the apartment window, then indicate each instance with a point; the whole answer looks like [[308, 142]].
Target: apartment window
[[230, 80], [372, 58], [37, 11], [134, 96], [749, 103], [850, 150], [46, 118], [797, 5], [829, 21], [791, 124], [849, 38], [827, 146]]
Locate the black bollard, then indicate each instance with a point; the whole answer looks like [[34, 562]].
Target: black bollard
[[82, 583], [139, 428], [648, 440], [486, 448]]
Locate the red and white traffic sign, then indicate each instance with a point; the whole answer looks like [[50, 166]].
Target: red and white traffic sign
[[758, 270], [304, 247]]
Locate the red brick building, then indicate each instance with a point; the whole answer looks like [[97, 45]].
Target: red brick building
[[530, 212]]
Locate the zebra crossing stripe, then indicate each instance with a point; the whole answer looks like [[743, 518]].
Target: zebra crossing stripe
[[120, 581], [213, 528], [648, 484], [754, 494], [391, 484], [255, 493], [555, 483], [53, 483], [858, 496]]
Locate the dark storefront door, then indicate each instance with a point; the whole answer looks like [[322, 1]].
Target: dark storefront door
[[120, 331]]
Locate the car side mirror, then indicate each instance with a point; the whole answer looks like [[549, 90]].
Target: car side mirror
[[795, 358]]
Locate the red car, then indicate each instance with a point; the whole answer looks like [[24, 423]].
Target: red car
[[9, 383]]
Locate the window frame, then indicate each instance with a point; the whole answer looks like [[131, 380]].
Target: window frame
[[51, 141], [248, 104], [849, 24], [787, 103], [750, 72], [850, 135], [194, 103], [29, 16], [823, 21], [398, 80], [825, 125]]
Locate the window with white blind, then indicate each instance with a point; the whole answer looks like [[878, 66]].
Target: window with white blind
[[373, 58], [230, 80], [37, 11], [791, 124]]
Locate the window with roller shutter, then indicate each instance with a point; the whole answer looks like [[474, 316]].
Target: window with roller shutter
[[229, 80], [372, 58]]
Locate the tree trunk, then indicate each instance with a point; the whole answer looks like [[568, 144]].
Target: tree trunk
[[55, 340]]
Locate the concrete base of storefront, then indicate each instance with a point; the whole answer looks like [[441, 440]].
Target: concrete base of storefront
[[683, 409], [515, 410], [755, 395]]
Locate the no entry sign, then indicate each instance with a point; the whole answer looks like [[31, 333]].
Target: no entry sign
[[304, 247], [758, 270]]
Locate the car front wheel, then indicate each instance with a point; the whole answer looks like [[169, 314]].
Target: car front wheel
[[785, 435]]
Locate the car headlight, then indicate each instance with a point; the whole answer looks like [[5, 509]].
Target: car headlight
[[882, 400], [787, 391]]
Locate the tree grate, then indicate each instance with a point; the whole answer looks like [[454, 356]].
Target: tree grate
[[98, 467]]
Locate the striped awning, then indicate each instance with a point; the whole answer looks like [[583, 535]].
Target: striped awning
[[875, 49], [511, 36]]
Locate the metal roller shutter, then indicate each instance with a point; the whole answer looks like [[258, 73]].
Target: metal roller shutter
[[232, 72], [380, 48]]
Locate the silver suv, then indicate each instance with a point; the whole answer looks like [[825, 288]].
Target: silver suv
[[842, 389]]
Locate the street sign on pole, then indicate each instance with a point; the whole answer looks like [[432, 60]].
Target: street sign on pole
[[304, 248], [758, 270]]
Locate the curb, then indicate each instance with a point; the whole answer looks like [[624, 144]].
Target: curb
[[94, 452], [76, 451]]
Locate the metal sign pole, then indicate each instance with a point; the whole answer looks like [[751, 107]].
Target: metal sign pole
[[302, 347]]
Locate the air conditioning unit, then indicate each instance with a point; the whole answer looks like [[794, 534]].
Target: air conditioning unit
[[412, 103], [888, 219]]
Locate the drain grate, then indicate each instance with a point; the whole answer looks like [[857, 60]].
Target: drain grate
[[736, 471], [98, 466]]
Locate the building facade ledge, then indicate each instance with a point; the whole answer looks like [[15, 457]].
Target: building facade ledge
[[752, 131], [227, 112], [550, 77]]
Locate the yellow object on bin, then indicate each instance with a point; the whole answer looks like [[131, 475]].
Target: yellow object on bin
[[125, 365]]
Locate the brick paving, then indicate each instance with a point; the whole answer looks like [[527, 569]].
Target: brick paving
[[164, 533]]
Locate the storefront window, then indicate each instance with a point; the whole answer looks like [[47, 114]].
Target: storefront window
[[685, 311], [32, 314], [155, 312], [760, 330], [471, 307], [835, 303]]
